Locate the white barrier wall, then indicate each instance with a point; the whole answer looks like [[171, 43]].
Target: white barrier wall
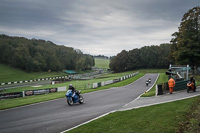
[[102, 83], [108, 82], [62, 88], [95, 85]]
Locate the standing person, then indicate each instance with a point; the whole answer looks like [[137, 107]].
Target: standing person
[[171, 84]]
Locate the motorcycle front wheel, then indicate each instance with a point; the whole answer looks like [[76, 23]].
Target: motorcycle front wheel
[[70, 102], [81, 100]]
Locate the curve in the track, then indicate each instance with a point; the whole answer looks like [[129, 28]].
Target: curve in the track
[[56, 116]]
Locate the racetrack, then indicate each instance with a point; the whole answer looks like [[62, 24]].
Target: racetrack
[[56, 116]]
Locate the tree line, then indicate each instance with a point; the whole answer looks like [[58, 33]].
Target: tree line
[[183, 49], [101, 56], [145, 57], [34, 55]]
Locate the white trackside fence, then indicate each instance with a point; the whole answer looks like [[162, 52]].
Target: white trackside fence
[[103, 83]]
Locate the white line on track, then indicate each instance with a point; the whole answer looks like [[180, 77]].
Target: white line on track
[[178, 99], [89, 121], [142, 93]]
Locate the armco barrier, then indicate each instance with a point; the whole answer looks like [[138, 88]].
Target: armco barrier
[[64, 88], [108, 82], [31, 93], [11, 95], [180, 85], [95, 85], [99, 84], [39, 92], [163, 87], [116, 80], [102, 83]]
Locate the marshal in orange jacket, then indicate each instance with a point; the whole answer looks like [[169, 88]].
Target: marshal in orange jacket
[[171, 82]]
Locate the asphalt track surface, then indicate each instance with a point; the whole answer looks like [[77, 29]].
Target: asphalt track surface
[[56, 116]]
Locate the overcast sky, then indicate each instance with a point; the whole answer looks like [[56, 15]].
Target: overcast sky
[[95, 27]]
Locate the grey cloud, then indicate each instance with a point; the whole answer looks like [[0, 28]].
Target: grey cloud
[[95, 26]]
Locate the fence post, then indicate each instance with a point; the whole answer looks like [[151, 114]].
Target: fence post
[[156, 90], [23, 93]]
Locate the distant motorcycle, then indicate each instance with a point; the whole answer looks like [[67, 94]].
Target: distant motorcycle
[[147, 82], [76, 99]]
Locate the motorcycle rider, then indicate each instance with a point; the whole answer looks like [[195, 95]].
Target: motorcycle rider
[[147, 82], [192, 80], [192, 84], [73, 89]]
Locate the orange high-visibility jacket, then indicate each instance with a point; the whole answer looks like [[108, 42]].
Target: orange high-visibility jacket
[[171, 82]]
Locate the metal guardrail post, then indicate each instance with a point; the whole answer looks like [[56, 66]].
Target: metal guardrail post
[[187, 71]]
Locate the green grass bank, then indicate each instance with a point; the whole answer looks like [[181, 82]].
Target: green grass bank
[[162, 118], [102, 63], [11, 74]]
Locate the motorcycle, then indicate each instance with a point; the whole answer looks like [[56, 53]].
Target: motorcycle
[[191, 86], [147, 83], [76, 99], [149, 80]]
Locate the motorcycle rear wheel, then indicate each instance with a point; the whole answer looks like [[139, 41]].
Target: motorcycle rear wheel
[[188, 89], [81, 100], [70, 102]]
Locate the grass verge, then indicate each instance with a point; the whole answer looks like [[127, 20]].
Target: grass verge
[[163, 118], [191, 123], [197, 78], [102, 63], [11, 74]]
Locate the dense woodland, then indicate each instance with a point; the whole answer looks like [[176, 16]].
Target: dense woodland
[[145, 57], [39, 55], [183, 49]]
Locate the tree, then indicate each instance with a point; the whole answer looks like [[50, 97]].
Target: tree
[[134, 61], [145, 57], [41, 55], [119, 63], [186, 42], [163, 59], [80, 64]]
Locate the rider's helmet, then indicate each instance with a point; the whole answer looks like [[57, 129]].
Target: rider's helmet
[[70, 85]]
